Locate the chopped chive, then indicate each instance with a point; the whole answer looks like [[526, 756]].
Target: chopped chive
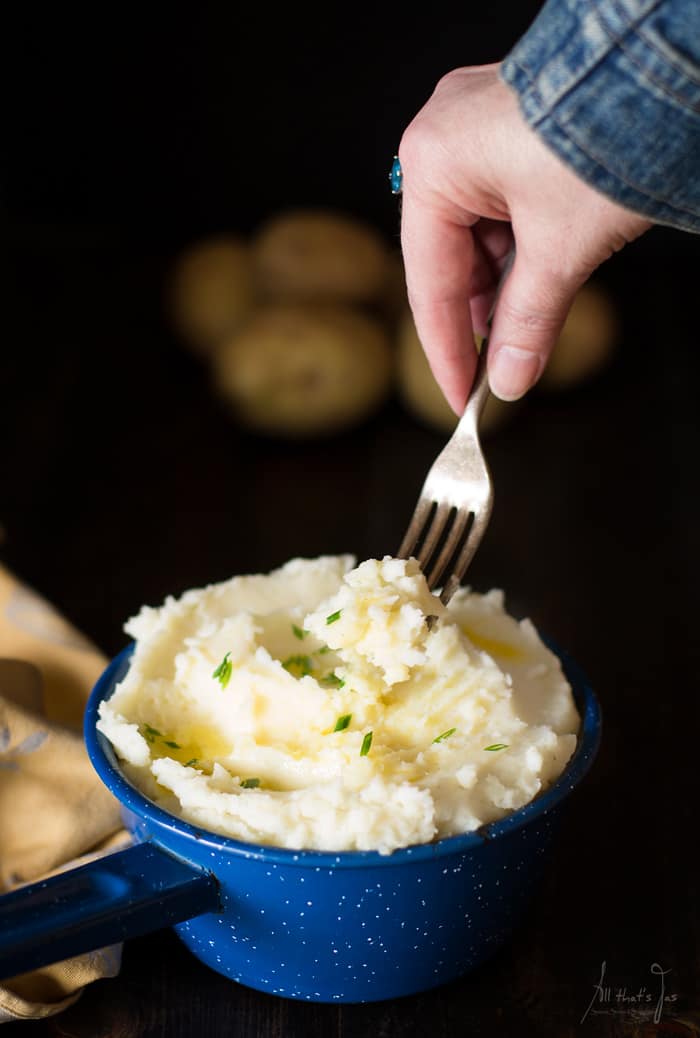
[[323, 650], [152, 731], [445, 735], [366, 743], [175, 745], [333, 617], [191, 762], [298, 666], [299, 632], [332, 681], [342, 723], [251, 783], [497, 746], [223, 671]]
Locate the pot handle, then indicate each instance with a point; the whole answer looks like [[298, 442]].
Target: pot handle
[[121, 895]]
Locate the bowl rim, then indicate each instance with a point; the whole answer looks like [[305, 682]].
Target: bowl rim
[[104, 761]]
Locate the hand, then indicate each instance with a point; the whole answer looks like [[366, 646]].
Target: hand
[[477, 179]]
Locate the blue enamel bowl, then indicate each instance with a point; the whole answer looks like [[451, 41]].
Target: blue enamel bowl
[[325, 927]]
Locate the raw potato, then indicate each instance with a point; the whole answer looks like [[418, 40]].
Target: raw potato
[[304, 369], [421, 393], [212, 291], [317, 255], [586, 341]]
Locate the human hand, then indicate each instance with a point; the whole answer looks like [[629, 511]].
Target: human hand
[[476, 180]]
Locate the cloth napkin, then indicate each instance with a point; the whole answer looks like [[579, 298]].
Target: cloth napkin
[[54, 811]]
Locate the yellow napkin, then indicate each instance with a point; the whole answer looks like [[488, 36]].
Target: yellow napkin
[[54, 811]]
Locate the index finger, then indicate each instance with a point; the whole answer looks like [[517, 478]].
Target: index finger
[[439, 257]]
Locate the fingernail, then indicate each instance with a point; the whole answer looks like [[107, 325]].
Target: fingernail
[[513, 371]]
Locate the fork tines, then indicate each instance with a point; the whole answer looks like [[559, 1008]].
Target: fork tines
[[441, 535]]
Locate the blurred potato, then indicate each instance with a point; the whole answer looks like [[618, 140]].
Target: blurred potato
[[317, 255], [304, 369], [211, 291], [395, 298], [586, 342], [421, 393]]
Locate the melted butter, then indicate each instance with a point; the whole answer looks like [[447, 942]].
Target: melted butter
[[493, 646], [198, 742]]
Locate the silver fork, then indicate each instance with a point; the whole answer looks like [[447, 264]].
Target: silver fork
[[455, 503]]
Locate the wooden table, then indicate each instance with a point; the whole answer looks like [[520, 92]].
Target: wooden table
[[124, 480]]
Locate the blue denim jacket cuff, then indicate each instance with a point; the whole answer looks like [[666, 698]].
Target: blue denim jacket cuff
[[613, 88]]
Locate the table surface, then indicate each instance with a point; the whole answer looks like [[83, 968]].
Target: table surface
[[124, 480]]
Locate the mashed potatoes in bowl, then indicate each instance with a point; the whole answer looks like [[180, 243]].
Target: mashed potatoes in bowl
[[318, 708]]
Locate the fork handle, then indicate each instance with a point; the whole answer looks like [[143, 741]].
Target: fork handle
[[480, 389], [479, 392]]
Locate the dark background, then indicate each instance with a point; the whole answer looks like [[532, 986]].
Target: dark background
[[129, 134]]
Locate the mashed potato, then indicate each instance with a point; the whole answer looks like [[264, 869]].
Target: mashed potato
[[316, 708]]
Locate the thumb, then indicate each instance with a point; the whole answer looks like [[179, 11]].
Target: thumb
[[529, 314]]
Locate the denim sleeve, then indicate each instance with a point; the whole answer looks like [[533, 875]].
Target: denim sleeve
[[613, 87]]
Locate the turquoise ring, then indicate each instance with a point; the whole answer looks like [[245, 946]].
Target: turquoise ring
[[396, 176]]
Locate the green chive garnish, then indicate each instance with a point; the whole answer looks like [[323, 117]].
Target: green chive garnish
[[366, 743], [323, 650], [332, 681], [299, 632], [152, 731], [175, 745], [333, 617], [251, 783], [445, 735], [342, 723], [223, 671], [497, 746], [298, 666], [190, 763]]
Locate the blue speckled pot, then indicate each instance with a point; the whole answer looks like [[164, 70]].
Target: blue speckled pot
[[346, 927]]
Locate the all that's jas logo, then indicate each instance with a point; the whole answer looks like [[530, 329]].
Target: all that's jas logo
[[651, 1004]]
